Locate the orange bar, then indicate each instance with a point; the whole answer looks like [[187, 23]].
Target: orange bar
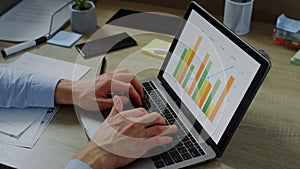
[[191, 54], [201, 68], [200, 104], [221, 99], [201, 91], [198, 43], [186, 65]]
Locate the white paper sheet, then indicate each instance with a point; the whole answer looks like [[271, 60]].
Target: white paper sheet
[[14, 121], [32, 134], [34, 63], [31, 19]]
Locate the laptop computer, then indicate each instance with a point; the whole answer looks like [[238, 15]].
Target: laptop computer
[[6, 5], [205, 85]]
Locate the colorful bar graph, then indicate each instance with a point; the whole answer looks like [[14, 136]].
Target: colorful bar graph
[[186, 64], [201, 80], [211, 95], [200, 70], [176, 72], [201, 92], [199, 86], [221, 99], [188, 76], [205, 94]]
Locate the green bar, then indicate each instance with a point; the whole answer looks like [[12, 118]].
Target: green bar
[[211, 95], [179, 63], [202, 78], [188, 76]]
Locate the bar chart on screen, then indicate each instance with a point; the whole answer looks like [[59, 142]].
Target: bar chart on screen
[[210, 74], [206, 83]]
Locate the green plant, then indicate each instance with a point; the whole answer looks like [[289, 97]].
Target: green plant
[[81, 4]]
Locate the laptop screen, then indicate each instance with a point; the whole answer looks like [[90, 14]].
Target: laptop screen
[[209, 73]]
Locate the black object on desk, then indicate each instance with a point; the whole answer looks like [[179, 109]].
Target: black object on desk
[[105, 45], [153, 22], [103, 66]]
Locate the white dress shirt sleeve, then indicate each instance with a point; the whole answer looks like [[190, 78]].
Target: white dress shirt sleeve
[[19, 89]]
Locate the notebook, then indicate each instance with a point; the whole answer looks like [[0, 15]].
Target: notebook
[[205, 85]]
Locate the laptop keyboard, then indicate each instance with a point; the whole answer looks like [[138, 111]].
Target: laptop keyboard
[[184, 146]]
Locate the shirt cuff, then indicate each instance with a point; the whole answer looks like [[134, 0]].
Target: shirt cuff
[[77, 164], [42, 90]]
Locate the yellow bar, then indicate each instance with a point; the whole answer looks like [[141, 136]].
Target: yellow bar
[[222, 97], [188, 60], [205, 94], [186, 64], [210, 109], [186, 88], [201, 91], [200, 70]]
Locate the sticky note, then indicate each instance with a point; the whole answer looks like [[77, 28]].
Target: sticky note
[[157, 48], [296, 58], [65, 39]]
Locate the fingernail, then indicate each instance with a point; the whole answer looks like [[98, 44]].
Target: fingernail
[[115, 99]]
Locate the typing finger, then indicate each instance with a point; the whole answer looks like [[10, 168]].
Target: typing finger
[[151, 119], [119, 86], [160, 130], [139, 112], [129, 78]]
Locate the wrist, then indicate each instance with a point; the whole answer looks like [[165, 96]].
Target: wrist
[[95, 156], [63, 92]]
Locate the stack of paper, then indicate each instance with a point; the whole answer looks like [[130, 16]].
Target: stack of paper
[[34, 63], [23, 127]]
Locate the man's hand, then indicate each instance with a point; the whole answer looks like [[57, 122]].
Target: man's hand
[[125, 136], [94, 94]]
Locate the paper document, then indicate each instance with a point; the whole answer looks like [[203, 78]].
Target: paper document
[[34, 63], [29, 137], [23, 127], [15, 121], [31, 19]]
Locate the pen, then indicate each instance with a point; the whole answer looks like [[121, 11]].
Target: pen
[[103, 66], [22, 46]]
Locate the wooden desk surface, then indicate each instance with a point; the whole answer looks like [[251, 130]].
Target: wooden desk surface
[[268, 136]]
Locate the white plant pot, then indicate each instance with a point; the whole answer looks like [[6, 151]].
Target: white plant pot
[[83, 21]]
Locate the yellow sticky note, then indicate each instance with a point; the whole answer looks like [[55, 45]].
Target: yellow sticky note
[[157, 48]]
